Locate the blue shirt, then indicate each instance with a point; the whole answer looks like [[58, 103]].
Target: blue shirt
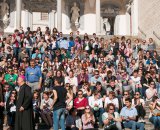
[[33, 74], [94, 80], [125, 112], [64, 44], [35, 56]]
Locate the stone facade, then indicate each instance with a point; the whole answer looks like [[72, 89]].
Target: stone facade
[[131, 17], [149, 18]]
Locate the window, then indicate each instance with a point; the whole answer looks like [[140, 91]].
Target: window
[[44, 16]]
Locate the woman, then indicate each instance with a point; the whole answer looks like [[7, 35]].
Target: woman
[[69, 98], [111, 119], [151, 91], [86, 90], [11, 109], [155, 112], [112, 99], [80, 103], [59, 77], [73, 122], [88, 119], [139, 104], [125, 95]]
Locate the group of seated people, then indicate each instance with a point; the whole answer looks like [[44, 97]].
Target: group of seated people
[[109, 82]]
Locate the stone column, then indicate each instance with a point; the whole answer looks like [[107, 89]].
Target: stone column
[[59, 15], [98, 16], [52, 19], [18, 13]]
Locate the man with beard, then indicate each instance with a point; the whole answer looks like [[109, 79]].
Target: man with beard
[[24, 110]]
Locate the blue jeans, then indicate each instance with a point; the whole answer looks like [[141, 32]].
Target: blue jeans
[[16, 50], [29, 52], [59, 118], [133, 125], [156, 121], [158, 89], [99, 115]]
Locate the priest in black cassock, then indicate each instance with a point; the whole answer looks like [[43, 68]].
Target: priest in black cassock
[[24, 109]]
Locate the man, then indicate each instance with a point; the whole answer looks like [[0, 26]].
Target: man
[[36, 54], [10, 78], [22, 55], [128, 115], [59, 105], [46, 54], [96, 78], [33, 76], [16, 40], [24, 110]]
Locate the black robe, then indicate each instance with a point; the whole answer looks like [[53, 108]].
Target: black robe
[[24, 119]]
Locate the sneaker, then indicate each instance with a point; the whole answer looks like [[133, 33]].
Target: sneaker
[[100, 126], [142, 120], [36, 127], [139, 119]]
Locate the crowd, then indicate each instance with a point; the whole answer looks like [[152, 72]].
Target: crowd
[[78, 82]]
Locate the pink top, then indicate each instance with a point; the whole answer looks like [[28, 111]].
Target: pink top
[[85, 121]]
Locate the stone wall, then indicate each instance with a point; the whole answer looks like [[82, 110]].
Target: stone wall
[[149, 18]]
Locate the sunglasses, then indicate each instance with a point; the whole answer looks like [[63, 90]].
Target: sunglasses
[[80, 94], [125, 94], [87, 108]]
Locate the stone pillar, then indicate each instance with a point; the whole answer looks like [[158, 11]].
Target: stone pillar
[[59, 15], [98, 16], [18, 13], [52, 19]]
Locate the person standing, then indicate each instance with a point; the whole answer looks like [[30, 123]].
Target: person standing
[[1, 101], [59, 105], [33, 76], [24, 108]]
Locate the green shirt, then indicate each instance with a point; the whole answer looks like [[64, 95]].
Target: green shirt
[[10, 79]]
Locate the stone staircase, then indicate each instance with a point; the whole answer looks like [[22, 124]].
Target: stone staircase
[[148, 124]]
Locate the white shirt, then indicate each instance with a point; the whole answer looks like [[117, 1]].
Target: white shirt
[[92, 102], [72, 81], [141, 101], [136, 80], [114, 101]]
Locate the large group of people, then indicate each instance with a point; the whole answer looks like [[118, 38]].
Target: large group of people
[[77, 82]]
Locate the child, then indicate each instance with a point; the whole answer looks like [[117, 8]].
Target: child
[[36, 107], [11, 109], [46, 105]]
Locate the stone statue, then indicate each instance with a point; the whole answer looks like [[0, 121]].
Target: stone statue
[[4, 11], [106, 26], [75, 14]]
